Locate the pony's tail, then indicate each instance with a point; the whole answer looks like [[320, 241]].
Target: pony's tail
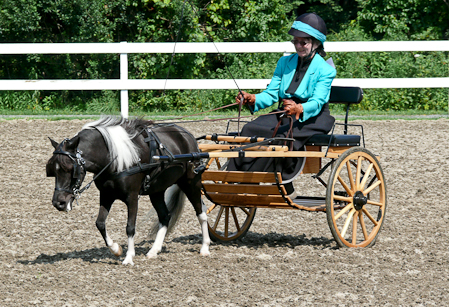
[[174, 199]]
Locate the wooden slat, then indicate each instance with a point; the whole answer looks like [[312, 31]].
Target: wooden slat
[[268, 154], [233, 139], [244, 199], [242, 188], [315, 208], [338, 149], [217, 147], [266, 206], [243, 177], [259, 201]]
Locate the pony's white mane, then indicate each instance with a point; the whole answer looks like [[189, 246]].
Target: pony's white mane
[[119, 141]]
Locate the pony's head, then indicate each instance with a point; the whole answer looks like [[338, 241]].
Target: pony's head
[[67, 166]]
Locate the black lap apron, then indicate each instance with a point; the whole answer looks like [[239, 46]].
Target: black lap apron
[[264, 126]]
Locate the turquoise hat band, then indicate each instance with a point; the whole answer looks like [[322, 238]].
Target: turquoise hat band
[[301, 26]]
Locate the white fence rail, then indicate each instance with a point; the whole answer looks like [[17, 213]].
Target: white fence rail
[[124, 84]]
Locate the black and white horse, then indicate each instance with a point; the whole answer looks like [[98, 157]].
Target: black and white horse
[[119, 154]]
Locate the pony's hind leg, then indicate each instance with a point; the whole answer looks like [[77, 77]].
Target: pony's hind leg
[[193, 193], [157, 199], [105, 206]]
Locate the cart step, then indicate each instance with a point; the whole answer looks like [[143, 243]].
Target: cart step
[[310, 203], [313, 203]]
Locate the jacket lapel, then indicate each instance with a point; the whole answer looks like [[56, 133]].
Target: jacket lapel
[[289, 73], [303, 88]]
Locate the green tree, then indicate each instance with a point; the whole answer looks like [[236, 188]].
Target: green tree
[[405, 19]]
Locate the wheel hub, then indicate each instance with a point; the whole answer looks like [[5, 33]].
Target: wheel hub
[[359, 200]]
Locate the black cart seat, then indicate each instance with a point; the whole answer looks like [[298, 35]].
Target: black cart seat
[[348, 96], [335, 140]]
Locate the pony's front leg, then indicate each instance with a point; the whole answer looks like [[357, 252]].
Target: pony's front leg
[[157, 199], [132, 204], [105, 207]]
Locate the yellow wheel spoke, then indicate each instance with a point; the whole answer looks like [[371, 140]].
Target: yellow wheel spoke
[[375, 203], [226, 221], [342, 198], [366, 176], [345, 186], [372, 187], [351, 178], [347, 222], [211, 208], [370, 217], [218, 218], [245, 210], [209, 163], [359, 173], [235, 219], [348, 207], [354, 228], [362, 223]]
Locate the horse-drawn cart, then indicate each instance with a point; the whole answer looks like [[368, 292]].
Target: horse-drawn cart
[[355, 193], [122, 155]]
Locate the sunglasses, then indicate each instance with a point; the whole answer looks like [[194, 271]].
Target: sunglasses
[[297, 42]]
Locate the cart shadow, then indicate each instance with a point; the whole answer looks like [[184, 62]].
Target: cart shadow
[[257, 240]]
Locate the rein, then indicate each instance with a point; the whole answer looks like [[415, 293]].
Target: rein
[[226, 106], [218, 119]]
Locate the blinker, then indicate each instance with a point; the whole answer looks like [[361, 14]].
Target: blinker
[[50, 172]]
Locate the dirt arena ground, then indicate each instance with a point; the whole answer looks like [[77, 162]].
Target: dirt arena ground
[[288, 258]]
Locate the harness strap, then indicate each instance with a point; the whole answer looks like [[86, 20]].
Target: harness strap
[[63, 152], [141, 168]]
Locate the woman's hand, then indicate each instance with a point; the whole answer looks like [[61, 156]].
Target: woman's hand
[[292, 108], [247, 98]]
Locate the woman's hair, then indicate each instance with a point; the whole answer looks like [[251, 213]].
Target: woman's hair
[[320, 48]]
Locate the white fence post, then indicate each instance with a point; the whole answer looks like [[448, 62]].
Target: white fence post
[[124, 79]]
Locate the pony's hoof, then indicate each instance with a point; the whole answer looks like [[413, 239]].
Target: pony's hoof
[[128, 261], [205, 253], [116, 250], [151, 255]]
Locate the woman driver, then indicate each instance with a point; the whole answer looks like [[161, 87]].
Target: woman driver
[[302, 83]]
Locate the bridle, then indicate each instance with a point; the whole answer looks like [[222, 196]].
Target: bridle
[[78, 169]]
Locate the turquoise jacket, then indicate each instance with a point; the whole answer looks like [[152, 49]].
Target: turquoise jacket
[[315, 87]]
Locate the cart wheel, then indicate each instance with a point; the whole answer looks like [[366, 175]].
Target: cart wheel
[[356, 198], [228, 223]]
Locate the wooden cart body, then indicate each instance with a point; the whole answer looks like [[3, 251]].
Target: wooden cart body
[[355, 200]]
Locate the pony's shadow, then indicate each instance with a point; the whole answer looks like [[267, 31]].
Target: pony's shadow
[[250, 240], [93, 255]]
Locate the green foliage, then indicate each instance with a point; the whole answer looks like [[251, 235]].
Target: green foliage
[[335, 13], [391, 65], [218, 21], [405, 19]]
